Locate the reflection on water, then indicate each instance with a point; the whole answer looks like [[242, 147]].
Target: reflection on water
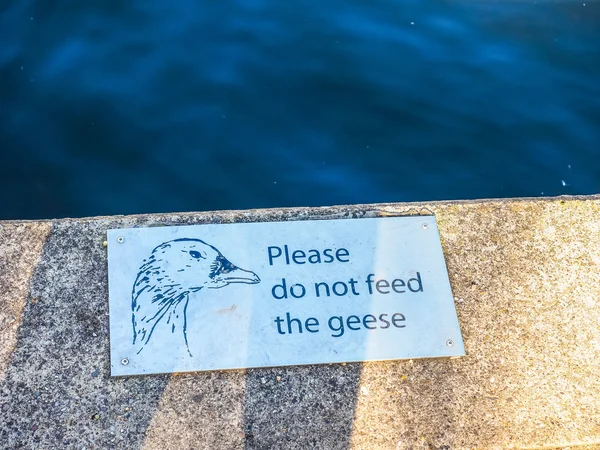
[[152, 106]]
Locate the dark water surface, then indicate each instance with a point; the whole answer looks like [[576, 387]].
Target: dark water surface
[[113, 107]]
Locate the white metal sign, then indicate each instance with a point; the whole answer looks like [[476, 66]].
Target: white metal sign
[[208, 297]]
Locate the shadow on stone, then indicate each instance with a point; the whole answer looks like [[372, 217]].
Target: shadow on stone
[[57, 392], [301, 407]]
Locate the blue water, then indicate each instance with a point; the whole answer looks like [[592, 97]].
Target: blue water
[[148, 106]]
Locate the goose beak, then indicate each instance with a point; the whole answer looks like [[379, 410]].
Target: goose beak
[[238, 275]]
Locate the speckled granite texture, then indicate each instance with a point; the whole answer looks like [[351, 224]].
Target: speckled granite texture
[[526, 280]]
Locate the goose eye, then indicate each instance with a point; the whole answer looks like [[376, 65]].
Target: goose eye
[[195, 254]]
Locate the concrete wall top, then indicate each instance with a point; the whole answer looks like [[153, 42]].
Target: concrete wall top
[[526, 279]]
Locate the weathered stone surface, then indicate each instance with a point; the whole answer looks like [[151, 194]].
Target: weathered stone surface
[[20, 248], [525, 275]]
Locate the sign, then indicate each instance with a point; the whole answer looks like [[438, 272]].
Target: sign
[[208, 297]]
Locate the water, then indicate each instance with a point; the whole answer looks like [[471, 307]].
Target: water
[[149, 106]]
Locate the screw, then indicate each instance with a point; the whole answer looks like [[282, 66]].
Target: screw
[[124, 361], [120, 239], [449, 342], [425, 226]]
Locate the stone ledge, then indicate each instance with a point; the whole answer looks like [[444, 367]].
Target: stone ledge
[[525, 275]]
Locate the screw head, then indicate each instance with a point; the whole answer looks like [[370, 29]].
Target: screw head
[[449, 342], [120, 239], [124, 361], [425, 226]]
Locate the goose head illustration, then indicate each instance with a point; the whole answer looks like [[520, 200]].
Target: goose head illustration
[[174, 269]]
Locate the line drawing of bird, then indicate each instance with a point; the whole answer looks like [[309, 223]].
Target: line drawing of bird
[[174, 270]]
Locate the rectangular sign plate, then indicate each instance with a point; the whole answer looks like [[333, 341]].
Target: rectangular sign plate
[[208, 297]]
